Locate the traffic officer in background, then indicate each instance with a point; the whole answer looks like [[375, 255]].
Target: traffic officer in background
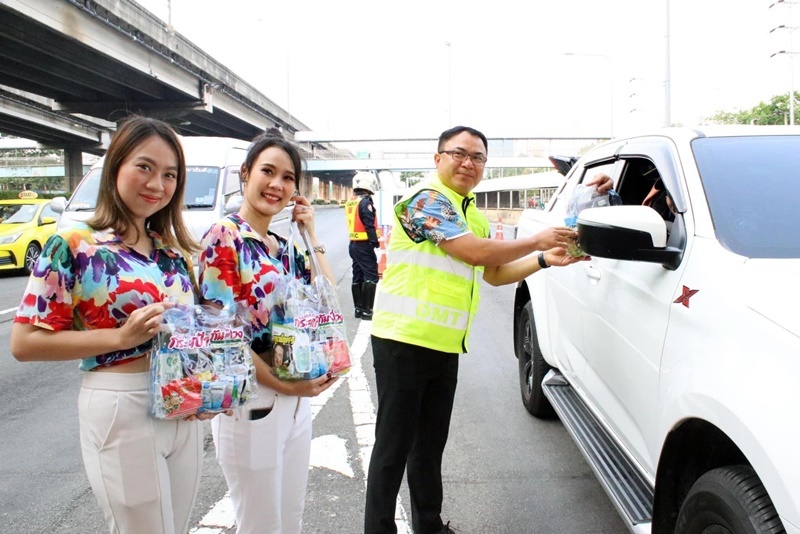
[[426, 303], [362, 225]]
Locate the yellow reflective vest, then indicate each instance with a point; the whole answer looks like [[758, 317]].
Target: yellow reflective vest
[[426, 297]]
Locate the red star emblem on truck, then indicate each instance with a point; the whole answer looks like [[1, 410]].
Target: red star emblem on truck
[[685, 296]]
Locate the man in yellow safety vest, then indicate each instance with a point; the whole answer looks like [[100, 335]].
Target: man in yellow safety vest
[[425, 305]]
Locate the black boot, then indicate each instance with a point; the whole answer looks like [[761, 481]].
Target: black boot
[[358, 299], [368, 295]]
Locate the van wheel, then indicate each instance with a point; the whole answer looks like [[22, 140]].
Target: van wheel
[[728, 500], [532, 367], [31, 255]]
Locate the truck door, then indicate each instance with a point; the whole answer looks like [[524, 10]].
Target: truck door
[[625, 323]]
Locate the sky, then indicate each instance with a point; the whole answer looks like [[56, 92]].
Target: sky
[[506, 67]]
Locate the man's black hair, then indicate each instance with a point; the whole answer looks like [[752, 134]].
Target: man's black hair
[[454, 131]]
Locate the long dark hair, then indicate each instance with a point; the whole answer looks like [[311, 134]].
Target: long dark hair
[[111, 211]]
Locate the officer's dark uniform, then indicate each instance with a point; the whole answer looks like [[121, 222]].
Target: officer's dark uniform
[[362, 252]]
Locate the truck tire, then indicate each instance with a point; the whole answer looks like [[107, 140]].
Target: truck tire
[[532, 367], [728, 500]]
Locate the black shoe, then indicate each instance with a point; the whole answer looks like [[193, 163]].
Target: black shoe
[[446, 529], [366, 315], [358, 313]]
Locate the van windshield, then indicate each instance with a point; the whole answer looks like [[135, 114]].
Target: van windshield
[[201, 189]]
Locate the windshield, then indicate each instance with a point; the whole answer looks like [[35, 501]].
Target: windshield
[[85, 196], [752, 190], [17, 213], [201, 187]]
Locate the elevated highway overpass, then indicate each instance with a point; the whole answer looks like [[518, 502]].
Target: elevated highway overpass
[[70, 69]]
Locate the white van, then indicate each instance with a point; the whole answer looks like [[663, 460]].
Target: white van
[[212, 180]]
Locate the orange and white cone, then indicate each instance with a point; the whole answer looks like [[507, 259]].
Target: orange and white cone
[[382, 259], [498, 232]]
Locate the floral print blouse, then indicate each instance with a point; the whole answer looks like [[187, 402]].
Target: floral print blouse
[[236, 265], [87, 279]]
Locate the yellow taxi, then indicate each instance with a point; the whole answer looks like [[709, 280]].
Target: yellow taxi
[[25, 225]]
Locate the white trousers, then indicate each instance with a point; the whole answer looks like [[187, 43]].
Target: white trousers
[[144, 472], [265, 462]]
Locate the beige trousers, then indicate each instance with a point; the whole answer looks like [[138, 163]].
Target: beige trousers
[[144, 472]]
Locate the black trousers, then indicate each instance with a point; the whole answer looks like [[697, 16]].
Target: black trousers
[[365, 263], [416, 387]]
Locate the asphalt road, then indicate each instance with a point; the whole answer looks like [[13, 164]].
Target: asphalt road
[[504, 471]]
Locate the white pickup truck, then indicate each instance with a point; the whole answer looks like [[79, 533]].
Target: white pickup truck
[[673, 356]]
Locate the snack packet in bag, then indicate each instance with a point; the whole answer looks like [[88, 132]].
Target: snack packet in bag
[[200, 362], [308, 330], [586, 197]]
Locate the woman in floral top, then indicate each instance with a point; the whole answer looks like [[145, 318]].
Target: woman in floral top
[[264, 449], [97, 294]]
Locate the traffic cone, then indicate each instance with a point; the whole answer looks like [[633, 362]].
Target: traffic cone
[[382, 260], [498, 232]]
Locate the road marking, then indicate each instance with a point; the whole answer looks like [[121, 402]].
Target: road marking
[[8, 311], [221, 515], [330, 452], [364, 413]]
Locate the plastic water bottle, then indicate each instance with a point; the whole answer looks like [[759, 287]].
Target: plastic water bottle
[[208, 403], [301, 352]]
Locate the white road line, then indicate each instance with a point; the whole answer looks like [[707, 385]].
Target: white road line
[[364, 413], [8, 311]]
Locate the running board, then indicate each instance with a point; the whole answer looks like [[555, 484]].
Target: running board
[[628, 489]]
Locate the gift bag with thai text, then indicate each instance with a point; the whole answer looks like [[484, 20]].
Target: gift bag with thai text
[[308, 331]]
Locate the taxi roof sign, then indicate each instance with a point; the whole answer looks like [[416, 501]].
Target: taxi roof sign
[[28, 194]]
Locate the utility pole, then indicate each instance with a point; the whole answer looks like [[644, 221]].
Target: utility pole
[[790, 53], [667, 81], [449, 84]]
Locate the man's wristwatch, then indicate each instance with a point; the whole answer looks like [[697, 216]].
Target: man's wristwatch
[[542, 263], [319, 248]]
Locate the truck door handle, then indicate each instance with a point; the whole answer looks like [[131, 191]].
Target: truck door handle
[[592, 272]]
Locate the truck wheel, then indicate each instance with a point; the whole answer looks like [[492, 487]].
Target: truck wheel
[[532, 367], [31, 255], [728, 500]]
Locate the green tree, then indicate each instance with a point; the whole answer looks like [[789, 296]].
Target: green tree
[[410, 178], [776, 111]]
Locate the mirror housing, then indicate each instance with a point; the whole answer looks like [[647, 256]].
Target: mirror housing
[[233, 204], [48, 220], [58, 204], [631, 233]]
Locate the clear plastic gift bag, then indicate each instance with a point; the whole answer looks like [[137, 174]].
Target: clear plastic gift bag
[[200, 362], [308, 330], [586, 197]]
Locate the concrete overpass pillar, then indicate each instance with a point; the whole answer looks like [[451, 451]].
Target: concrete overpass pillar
[[73, 168]]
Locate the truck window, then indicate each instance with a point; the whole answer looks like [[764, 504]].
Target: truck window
[[579, 177]]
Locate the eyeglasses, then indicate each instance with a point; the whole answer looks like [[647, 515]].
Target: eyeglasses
[[459, 155]]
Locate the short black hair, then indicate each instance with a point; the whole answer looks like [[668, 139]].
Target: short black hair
[[454, 131]]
